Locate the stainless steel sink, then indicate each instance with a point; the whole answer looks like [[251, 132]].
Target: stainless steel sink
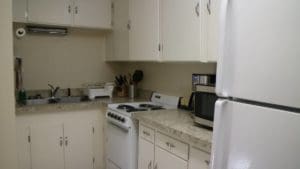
[[37, 101], [70, 99]]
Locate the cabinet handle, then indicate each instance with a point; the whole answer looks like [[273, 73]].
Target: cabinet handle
[[197, 9], [76, 9], [69, 8], [208, 6], [150, 165], [66, 141], [146, 133], [129, 25], [61, 141], [170, 145]]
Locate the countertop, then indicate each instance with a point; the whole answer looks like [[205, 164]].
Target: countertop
[[99, 103], [177, 123]]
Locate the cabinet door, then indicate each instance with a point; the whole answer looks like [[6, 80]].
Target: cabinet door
[[182, 38], [119, 37], [198, 159], [166, 160], [53, 12], [92, 13], [47, 151], [146, 154], [144, 30], [19, 10], [78, 142]]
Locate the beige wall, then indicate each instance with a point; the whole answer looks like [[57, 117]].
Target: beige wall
[[169, 78], [7, 111], [66, 61]]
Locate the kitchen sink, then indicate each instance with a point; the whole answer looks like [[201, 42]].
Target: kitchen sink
[[69, 99], [37, 101]]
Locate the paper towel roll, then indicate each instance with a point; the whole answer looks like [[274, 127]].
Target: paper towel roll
[[20, 32]]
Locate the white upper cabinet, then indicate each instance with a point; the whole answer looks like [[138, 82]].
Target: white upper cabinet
[[19, 10], [52, 12], [184, 30], [144, 30], [76, 13], [92, 13], [117, 40]]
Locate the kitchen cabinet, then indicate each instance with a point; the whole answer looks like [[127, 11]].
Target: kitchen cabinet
[[50, 12], [146, 154], [75, 13], [165, 31], [46, 146], [92, 13], [157, 150], [164, 159], [19, 10], [62, 140], [144, 30], [62, 146], [184, 30], [198, 159], [79, 144], [118, 40]]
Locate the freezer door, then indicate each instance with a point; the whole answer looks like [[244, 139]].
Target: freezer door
[[253, 137], [259, 53]]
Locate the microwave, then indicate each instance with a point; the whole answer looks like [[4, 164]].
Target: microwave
[[204, 100]]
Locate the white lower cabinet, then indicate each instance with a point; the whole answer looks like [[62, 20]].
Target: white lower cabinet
[[165, 152], [198, 159], [46, 145], [166, 160], [59, 141], [146, 154]]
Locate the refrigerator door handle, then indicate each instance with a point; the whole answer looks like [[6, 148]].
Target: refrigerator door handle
[[216, 156], [221, 69]]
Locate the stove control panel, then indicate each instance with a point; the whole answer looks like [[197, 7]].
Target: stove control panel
[[116, 117]]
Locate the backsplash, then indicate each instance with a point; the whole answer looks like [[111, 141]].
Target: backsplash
[[66, 61], [169, 78]]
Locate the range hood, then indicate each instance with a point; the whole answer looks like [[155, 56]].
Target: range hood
[[47, 30]]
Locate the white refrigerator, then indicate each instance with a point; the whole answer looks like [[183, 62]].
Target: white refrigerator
[[257, 119]]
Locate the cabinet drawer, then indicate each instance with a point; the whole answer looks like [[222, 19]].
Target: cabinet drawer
[[146, 133], [174, 146]]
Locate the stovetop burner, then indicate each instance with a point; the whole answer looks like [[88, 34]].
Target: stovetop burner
[[129, 108], [149, 106]]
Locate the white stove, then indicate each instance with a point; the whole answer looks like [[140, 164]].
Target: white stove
[[122, 129]]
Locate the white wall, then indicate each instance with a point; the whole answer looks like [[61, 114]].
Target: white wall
[[169, 78], [66, 61], [7, 111]]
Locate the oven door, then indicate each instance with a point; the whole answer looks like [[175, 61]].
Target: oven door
[[119, 147]]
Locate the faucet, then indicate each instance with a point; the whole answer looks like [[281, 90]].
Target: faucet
[[53, 91]]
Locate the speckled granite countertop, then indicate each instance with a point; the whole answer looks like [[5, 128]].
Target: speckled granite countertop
[[99, 103], [177, 123]]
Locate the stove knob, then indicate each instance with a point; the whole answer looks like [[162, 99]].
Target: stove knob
[[123, 119], [113, 115]]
